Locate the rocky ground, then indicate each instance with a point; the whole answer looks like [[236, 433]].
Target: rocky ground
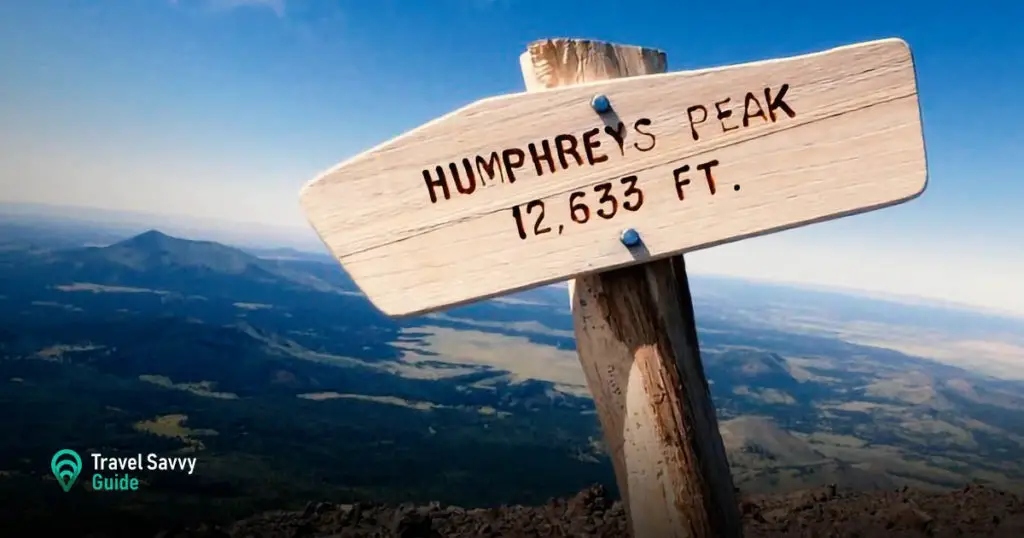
[[821, 513]]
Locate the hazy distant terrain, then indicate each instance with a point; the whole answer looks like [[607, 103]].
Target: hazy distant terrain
[[273, 369]]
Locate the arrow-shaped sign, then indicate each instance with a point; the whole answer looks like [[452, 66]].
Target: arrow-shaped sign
[[521, 190]]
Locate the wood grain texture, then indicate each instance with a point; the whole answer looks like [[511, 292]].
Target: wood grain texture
[[637, 342], [853, 144]]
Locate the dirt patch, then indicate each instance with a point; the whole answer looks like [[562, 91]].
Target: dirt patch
[[823, 512]]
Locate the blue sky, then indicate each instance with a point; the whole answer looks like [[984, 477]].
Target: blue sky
[[224, 108]]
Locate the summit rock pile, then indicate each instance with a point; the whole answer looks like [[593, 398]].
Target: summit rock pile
[[822, 513]]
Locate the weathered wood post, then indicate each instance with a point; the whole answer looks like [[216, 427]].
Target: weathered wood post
[[607, 172], [637, 342]]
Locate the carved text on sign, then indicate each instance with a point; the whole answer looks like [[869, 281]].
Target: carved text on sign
[[605, 199], [549, 156]]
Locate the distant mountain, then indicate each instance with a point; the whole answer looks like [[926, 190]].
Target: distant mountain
[[291, 386], [765, 458], [285, 253], [153, 250], [156, 261], [761, 439], [78, 226], [284, 379]]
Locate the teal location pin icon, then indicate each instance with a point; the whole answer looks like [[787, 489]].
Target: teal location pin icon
[[66, 465]]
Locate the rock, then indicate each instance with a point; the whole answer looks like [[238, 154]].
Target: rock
[[822, 512], [410, 523]]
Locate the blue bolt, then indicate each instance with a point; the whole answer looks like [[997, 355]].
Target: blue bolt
[[630, 237], [601, 104]]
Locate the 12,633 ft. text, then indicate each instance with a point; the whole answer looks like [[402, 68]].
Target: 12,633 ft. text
[[603, 201]]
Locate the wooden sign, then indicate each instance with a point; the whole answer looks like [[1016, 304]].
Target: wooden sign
[[521, 190]]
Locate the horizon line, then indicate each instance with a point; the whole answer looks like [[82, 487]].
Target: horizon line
[[306, 247]]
